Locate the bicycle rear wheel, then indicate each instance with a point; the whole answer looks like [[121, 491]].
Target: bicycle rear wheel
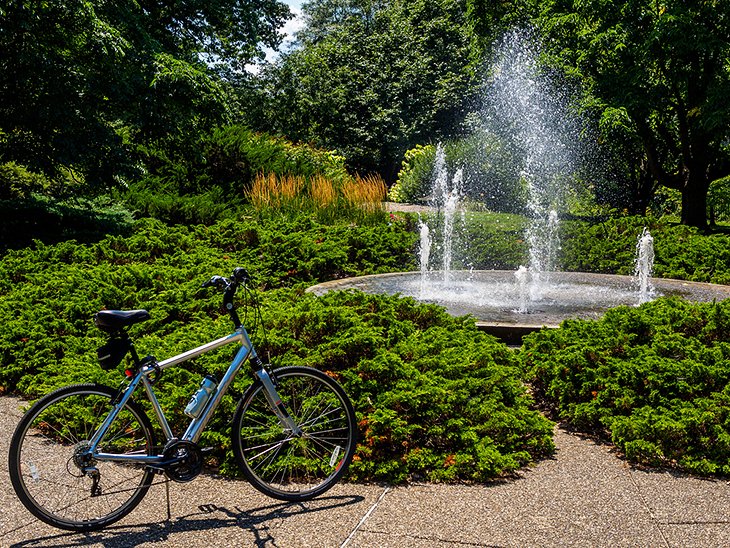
[[289, 467], [47, 466]]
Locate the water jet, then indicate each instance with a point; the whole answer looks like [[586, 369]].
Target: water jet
[[528, 112]]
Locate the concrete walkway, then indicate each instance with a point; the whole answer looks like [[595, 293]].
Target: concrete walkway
[[584, 496]]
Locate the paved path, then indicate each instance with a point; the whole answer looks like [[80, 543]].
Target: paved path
[[585, 496]]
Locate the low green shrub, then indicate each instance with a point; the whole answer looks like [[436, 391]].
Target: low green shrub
[[51, 220], [435, 398], [654, 379], [680, 251], [51, 291], [414, 178]]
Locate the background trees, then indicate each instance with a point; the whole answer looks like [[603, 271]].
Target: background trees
[[657, 74], [98, 92], [371, 79], [82, 81]]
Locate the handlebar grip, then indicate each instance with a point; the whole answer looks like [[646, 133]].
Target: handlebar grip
[[218, 281]]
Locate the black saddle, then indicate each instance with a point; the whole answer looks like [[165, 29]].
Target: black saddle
[[114, 320]]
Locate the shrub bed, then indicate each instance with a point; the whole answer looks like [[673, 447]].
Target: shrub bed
[[435, 398], [653, 379], [681, 252]]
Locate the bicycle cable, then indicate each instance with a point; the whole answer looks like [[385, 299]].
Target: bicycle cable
[[254, 302]]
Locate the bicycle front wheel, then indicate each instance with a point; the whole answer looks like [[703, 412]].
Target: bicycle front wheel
[[55, 479], [293, 467]]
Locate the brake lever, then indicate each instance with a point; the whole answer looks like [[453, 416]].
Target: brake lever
[[241, 275]]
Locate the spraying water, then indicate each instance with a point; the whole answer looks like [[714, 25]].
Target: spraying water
[[451, 207], [527, 114], [529, 111], [424, 251], [644, 265], [445, 199], [523, 290]]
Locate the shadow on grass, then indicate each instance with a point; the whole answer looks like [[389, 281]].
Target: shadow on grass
[[51, 221]]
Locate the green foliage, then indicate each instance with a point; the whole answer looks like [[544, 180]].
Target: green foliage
[[371, 80], [238, 154], [654, 379], [656, 76], [83, 83], [680, 251], [50, 220], [17, 181], [491, 174], [486, 240], [211, 183], [666, 204], [161, 267], [435, 398], [718, 201], [415, 176]]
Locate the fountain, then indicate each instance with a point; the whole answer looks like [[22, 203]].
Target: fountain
[[528, 112], [643, 265]]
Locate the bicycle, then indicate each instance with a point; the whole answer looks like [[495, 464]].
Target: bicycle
[[84, 456]]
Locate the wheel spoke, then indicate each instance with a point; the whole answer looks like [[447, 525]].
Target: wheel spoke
[[50, 448], [296, 467]]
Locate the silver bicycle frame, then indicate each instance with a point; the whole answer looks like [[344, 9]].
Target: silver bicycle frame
[[197, 425]]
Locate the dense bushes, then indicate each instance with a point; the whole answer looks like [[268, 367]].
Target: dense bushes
[[435, 398], [54, 220], [655, 379], [681, 252], [51, 292], [211, 184], [490, 173]]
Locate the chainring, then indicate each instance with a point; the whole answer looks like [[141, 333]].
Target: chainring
[[187, 460]]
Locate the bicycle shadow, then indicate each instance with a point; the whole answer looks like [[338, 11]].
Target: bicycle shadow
[[254, 520]]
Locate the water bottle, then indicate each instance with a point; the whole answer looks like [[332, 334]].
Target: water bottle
[[201, 397]]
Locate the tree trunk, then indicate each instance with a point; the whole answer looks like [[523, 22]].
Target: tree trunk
[[694, 199]]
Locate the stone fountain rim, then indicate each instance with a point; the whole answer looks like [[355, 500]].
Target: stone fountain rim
[[510, 330]]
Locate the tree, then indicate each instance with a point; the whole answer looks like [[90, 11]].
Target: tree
[[81, 80], [660, 72], [371, 79]]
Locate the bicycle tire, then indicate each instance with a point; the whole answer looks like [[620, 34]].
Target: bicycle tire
[[284, 466], [43, 448]]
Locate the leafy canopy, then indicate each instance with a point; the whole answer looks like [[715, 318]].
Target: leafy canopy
[[82, 81], [658, 75], [372, 78]]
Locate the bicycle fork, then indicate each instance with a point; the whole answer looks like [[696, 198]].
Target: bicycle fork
[[272, 396]]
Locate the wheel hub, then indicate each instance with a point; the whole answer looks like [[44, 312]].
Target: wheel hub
[[82, 458]]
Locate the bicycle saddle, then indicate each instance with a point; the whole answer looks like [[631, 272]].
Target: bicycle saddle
[[114, 320]]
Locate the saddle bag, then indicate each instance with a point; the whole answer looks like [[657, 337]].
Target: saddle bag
[[112, 353]]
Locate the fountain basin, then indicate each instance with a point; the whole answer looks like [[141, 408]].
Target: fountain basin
[[491, 296]]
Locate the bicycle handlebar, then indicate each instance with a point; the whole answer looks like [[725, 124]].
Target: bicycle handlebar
[[239, 276], [229, 286]]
